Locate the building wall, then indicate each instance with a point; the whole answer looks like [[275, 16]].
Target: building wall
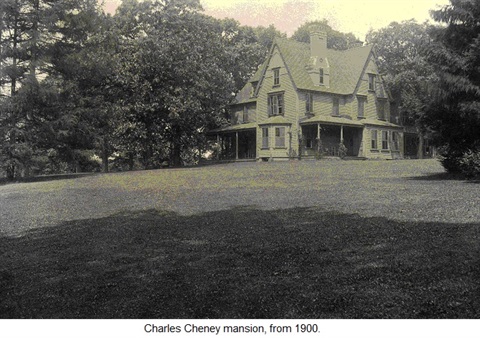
[[290, 99], [379, 153], [236, 113]]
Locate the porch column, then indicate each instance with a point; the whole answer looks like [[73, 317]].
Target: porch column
[[236, 145], [319, 144], [341, 134]]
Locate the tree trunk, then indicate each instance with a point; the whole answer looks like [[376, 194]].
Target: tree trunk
[[176, 155], [420, 147], [105, 154]]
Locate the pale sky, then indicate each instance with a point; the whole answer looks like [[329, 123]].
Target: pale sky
[[356, 16]]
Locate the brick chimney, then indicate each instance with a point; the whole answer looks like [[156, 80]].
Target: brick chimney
[[318, 42], [318, 68]]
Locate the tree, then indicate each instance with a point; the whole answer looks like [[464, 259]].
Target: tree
[[266, 35], [402, 61], [335, 39], [454, 116], [178, 69], [36, 37]]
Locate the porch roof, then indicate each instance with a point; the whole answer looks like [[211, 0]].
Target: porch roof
[[332, 120], [381, 123], [235, 127], [278, 119]]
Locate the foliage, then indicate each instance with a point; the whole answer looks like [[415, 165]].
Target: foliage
[[335, 39], [176, 75], [454, 116], [470, 164], [402, 59]]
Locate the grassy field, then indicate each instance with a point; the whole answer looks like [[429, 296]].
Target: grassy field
[[302, 239]]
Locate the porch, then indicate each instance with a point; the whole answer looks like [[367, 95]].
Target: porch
[[319, 140], [236, 144]]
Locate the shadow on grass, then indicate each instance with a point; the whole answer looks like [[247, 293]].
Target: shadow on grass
[[242, 263], [45, 178], [443, 177]]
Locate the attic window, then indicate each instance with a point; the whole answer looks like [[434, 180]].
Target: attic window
[[371, 82], [321, 76], [276, 76]]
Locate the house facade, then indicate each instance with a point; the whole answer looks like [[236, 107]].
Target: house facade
[[308, 101]]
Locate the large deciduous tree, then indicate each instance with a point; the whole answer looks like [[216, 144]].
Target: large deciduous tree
[[401, 50], [178, 69], [454, 116]]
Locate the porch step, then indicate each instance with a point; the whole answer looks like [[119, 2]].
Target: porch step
[[347, 158]]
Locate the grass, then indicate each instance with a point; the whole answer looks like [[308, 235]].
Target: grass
[[328, 239]]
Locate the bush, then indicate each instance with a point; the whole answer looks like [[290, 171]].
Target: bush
[[342, 150], [470, 164]]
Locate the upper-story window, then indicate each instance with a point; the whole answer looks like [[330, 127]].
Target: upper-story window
[[245, 114], [308, 103], [321, 76], [361, 106], [381, 109], [371, 82], [275, 104], [336, 106], [276, 76]]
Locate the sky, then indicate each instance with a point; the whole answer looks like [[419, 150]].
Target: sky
[[347, 16]]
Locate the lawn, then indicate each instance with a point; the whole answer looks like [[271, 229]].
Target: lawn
[[301, 239]]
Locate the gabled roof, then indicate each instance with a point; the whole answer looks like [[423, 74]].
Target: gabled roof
[[346, 68]]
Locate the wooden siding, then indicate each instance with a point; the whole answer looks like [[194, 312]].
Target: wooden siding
[[380, 153], [286, 87], [236, 113]]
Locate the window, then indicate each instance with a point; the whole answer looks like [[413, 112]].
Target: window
[[371, 82], [395, 141], [252, 90], [275, 104], [265, 138], [321, 75], [336, 109], [276, 76], [381, 109], [308, 103], [384, 140], [374, 139], [279, 137], [245, 114], [361, 106]]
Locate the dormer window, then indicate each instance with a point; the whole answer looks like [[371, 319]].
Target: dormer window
[[276, 76], [371, 82], [321, 76]]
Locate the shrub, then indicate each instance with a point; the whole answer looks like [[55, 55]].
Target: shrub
[[342, 150], [469, 164]]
